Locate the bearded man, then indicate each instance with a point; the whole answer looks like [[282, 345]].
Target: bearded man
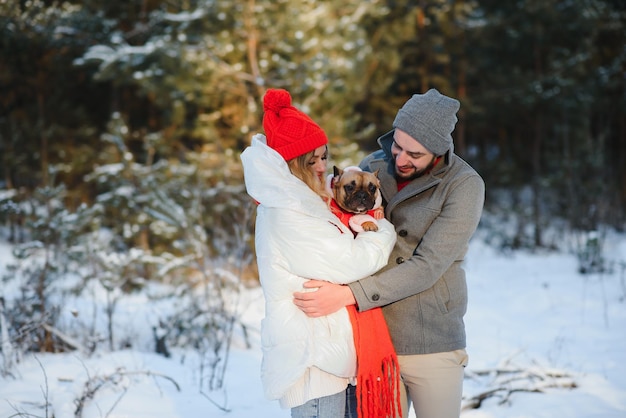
[[435, 201]]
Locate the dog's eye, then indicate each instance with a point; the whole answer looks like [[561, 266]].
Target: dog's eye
[[372, 188], [348, 188]]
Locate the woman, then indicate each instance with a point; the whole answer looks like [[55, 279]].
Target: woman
[[308, 363]]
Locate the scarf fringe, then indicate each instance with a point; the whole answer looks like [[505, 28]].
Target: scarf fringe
[[377, 398]]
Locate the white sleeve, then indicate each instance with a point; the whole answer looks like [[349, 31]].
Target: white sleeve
[[318, 249]]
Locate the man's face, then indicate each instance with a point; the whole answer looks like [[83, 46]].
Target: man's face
[[411, 158]]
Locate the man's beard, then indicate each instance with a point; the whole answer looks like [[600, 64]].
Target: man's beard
[[416, 174]]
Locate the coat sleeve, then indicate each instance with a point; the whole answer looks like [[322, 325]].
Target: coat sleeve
[[315, 248], [444, 243]]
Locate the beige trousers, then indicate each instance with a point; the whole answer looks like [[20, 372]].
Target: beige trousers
[[434, 383]]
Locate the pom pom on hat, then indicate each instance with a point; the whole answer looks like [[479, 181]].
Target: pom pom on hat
[[289, 131], [430, 119], [276, 99]]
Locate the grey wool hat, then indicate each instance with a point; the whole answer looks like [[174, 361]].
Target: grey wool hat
[[430, 119]]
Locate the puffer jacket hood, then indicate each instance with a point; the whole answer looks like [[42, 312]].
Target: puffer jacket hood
[[270, 182]]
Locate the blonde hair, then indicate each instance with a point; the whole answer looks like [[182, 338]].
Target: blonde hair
[[299, 167]]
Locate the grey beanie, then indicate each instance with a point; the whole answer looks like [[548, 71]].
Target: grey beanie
[[430, 119]]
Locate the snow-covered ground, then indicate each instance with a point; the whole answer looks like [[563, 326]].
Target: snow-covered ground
[[543, 340]]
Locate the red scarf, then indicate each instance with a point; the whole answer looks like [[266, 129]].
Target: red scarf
[[378, 372]]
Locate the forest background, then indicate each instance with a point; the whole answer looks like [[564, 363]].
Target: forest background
[[121, 125]]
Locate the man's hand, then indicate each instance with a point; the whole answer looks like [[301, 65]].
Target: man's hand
[[327, 299]]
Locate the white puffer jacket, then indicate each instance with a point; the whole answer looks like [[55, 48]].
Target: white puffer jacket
[[298, 238]]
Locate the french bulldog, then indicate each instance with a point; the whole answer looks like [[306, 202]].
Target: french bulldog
[[357, 197]]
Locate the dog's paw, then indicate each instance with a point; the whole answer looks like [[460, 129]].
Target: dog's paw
[[369, 226]]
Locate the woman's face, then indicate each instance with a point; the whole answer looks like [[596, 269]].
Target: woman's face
[[317, 162]]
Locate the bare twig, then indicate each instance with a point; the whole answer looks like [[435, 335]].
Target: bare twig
[[96, 383], [222, 408], [117, 401], [149, 373], [45, 389], [18, 413]]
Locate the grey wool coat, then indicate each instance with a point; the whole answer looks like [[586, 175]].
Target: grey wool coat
[[422, 289]]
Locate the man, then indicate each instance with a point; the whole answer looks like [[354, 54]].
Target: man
[[435, 201]]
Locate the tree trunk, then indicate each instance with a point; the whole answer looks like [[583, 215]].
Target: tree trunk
[[43, 144], [460, 141], [536, 180]]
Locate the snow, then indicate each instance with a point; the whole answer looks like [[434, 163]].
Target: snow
[[533, 323]]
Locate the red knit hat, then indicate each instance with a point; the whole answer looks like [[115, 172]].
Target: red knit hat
[[288, 130]]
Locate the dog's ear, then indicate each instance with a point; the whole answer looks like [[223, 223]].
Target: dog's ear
[[337, 171], [376, 173]]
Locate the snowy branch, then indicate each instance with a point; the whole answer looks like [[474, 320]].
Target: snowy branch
[[507, 381]]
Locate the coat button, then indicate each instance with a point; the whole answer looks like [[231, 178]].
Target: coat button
[[400, 260], [375, 297], [403, 233]]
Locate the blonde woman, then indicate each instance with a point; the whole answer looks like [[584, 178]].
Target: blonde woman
[[308, 363]]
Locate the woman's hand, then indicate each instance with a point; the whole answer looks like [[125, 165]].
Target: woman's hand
[[327, 299]]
